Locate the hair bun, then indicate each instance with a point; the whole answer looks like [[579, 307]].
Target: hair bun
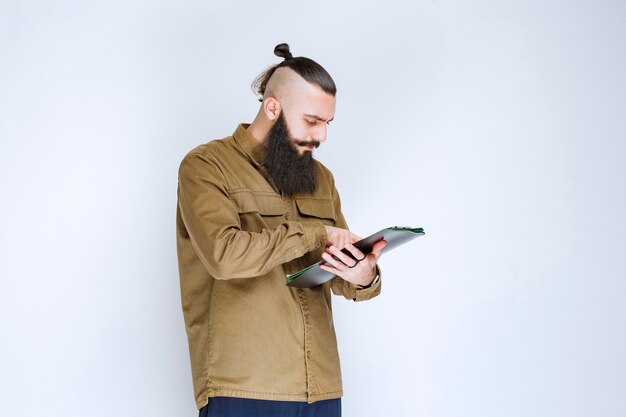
[[282, 50]]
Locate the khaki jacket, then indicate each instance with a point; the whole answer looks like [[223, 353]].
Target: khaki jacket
[[249, 334]]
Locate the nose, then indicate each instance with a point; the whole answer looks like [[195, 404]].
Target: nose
[[319, 134]]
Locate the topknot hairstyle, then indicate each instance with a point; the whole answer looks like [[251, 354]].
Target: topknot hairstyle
[[308, 69]]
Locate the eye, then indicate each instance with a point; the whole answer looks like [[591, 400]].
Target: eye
[[311, 123]]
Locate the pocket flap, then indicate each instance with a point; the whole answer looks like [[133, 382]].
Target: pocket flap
[[264, 203], [316, 207]]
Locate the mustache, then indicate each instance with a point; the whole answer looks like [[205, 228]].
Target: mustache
[[313, 143]]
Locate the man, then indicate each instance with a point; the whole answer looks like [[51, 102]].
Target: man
[[253, 207]]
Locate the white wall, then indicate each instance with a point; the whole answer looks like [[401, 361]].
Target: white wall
[[498, 126]]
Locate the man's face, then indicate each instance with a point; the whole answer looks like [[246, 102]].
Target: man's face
[[289, 161], [307, 118]]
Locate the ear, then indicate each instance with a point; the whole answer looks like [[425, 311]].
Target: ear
[[271, 108]]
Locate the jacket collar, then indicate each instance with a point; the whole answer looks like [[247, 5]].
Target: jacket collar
[[250, 145]]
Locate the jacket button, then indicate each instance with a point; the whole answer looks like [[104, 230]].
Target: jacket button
[[287, 216], [308, 354], [318, 245]]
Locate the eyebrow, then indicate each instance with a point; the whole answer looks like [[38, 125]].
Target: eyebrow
[[319, 118]]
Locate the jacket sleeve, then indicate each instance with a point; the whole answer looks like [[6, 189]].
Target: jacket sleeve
[[339, 285], [214, 227]]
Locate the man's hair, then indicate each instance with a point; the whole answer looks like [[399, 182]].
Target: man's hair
[[308, 69]]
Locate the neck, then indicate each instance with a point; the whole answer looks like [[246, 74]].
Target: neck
[[260, 127]]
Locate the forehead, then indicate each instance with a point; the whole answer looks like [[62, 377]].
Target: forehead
[[312, 100]]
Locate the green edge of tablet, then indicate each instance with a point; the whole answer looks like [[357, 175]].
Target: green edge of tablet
[[410, 229]]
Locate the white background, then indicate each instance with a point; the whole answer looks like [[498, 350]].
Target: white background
[[497, 126]]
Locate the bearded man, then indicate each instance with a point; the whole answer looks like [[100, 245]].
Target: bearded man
[[252, 208]]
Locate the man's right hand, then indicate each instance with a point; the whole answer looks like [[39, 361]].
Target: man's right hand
[[340, 237]]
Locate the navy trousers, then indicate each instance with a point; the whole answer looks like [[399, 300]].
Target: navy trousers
[[244, 407]]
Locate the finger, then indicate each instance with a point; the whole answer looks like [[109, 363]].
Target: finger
[[336, 241], [329, 268], [334, 262], [342, 257], [343, 241], [355, 252], [345, 275]]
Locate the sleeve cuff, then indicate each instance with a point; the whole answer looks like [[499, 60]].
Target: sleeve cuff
[[315, 235], [365, 293]]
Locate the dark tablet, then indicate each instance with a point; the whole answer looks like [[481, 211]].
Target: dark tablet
[[395, 236]]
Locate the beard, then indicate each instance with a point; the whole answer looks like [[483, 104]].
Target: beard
[[291, 172]]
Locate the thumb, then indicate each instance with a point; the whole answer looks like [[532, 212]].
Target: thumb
[[378, 247]]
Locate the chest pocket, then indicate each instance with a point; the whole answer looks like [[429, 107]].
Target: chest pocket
[[258, 210], [317, 209]]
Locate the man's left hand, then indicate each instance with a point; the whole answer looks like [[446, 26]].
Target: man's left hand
[[361, 272]]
